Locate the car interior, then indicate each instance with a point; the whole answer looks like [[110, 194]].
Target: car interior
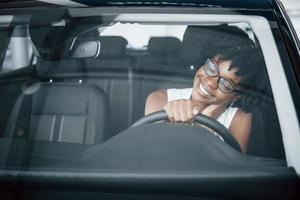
[[74, 106], [87, 101]]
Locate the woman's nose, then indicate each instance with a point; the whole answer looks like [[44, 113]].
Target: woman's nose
[[212, 81]]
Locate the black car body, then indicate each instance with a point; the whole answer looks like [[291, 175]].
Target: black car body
[[69, 83]]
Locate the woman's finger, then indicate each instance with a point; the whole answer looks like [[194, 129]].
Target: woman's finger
[[183, 111], [176, 110], [189, 108], [195, 111], [169, 113]]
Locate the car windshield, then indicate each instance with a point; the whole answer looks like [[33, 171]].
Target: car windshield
[[73, 83]]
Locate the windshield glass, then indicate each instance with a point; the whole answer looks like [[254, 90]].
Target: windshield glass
[[70, 85]]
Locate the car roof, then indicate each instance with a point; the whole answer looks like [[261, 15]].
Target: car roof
[[248, 4], [201, 3]]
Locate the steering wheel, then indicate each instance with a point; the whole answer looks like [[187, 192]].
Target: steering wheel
[[211, 123]]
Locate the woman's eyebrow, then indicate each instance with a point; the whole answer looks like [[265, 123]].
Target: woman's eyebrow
[[230, 80], [226, 77], [229, 69]]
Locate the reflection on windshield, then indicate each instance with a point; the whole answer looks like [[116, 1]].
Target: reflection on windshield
[[73, 105]]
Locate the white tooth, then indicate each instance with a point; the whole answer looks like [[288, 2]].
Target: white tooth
[[204, 91]]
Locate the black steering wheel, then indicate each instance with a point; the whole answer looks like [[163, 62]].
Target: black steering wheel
[[201, 119]]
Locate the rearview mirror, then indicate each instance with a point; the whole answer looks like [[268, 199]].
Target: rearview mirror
[[54, 43], [84, 49]]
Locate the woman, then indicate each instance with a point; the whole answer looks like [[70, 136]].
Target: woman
[[220, 88]]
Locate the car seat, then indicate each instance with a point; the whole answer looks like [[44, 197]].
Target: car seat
[[162, 54], [112, 71], [60, 109]]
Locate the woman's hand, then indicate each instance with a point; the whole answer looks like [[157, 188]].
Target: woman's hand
[[182, 110]]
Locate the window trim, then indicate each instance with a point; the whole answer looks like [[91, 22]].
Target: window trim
[[282, 95]]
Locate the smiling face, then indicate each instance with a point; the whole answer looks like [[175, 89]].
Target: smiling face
[[206, 89]]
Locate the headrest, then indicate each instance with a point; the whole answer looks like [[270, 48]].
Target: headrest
[[53, 68], [202, 42], [112, 47], [164, 45], [196, 44]]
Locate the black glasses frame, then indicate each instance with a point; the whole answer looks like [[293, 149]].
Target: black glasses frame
[[220, 78]]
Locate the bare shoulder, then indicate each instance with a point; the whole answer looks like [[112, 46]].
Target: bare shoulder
[[156, 101], [240, 127], [242, 115]]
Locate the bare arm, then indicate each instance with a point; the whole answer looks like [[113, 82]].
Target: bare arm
[[156, 101], [240, 127], [177, 111]]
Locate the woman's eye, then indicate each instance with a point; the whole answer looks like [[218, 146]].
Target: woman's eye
[[225, 85], [211, 69]]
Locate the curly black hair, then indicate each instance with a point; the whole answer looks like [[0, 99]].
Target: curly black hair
[[235, 44]]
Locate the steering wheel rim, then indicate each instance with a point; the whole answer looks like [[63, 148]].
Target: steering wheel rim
[[201, 119]]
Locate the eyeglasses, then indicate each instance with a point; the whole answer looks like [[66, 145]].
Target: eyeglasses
[[211, 69]]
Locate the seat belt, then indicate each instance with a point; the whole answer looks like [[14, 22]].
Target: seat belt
[[11, 123], [19, 120], [23, 119]]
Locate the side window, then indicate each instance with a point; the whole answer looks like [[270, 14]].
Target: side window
[[19, 52]]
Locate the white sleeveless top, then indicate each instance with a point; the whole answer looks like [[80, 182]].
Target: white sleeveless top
[[225, 118]]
